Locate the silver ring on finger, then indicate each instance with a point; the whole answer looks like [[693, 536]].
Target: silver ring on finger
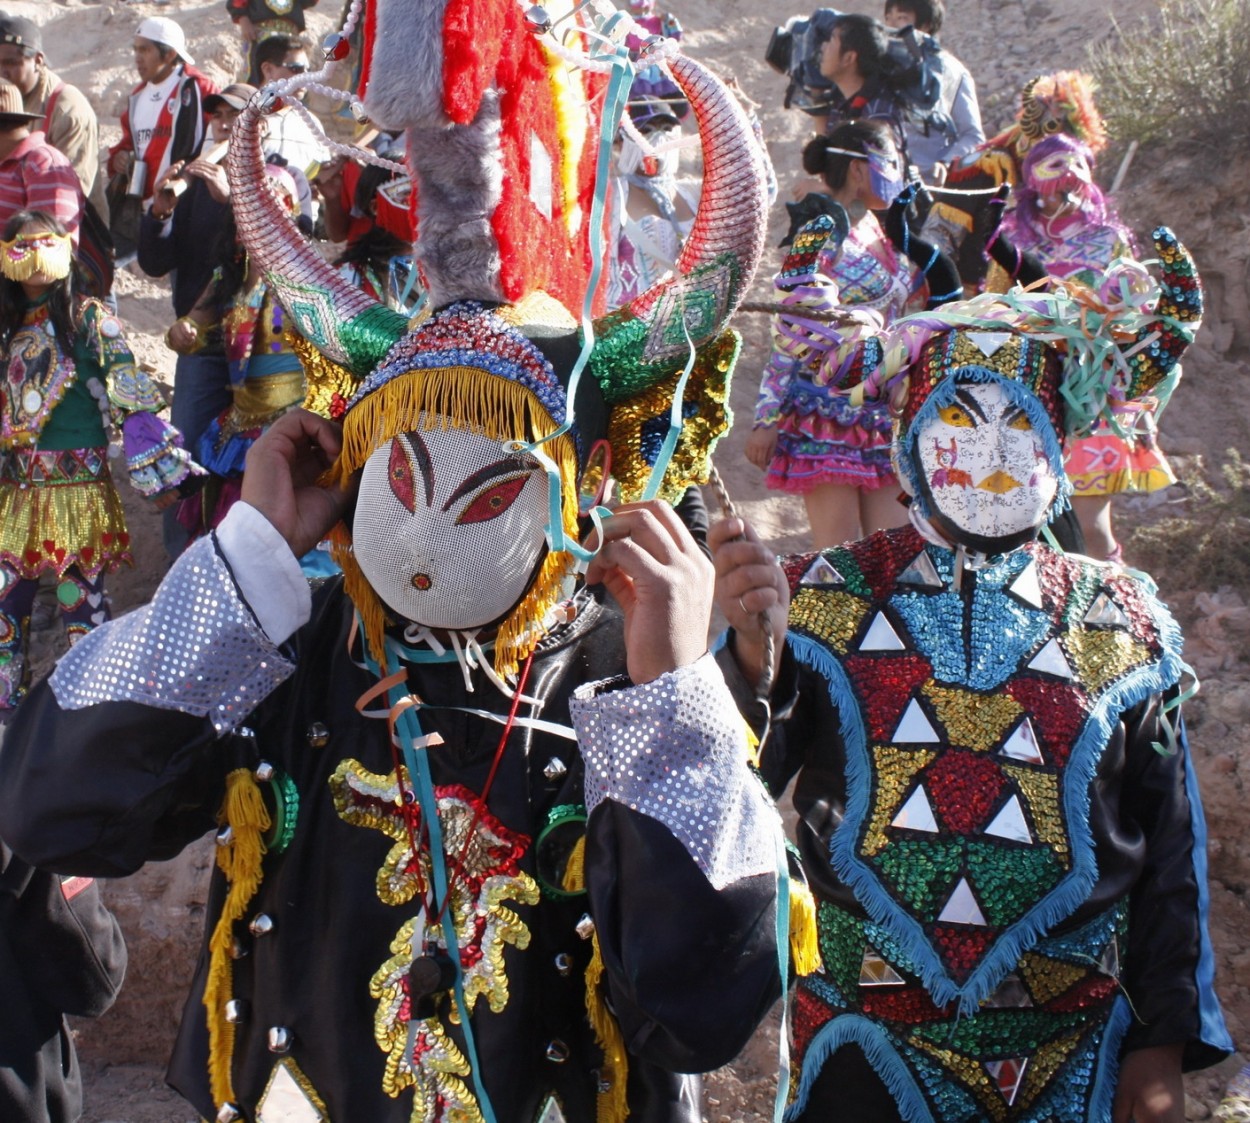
[[745, 611]]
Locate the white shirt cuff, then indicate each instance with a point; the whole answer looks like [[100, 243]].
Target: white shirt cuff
[[267, 573]]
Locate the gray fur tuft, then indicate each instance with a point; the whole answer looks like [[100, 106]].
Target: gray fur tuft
[[459, 183], [406, 77]]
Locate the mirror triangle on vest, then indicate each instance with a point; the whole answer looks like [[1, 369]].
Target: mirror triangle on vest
[[916, 814], [1105, 613], [1007, 1076], [1022, 744], [922, 573], [1051, 660], [881, 636], [988, 341], [1010, 823], [1027, 587], [914, 727], [876, 972], [961, 907], [822, 572]]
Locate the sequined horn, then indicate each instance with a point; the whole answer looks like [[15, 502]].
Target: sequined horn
[[1161, 343], [342, 322], [720, 255]]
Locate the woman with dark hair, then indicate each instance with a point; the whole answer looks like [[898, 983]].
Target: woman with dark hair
[[1063, 227], [69, 378], [811, 442]]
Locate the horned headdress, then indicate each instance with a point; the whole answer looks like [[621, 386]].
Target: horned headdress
[[508, 113]]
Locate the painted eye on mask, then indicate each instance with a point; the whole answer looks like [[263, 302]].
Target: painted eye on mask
[[400, 477], [957, 416], [493, 501], [1021, 422]]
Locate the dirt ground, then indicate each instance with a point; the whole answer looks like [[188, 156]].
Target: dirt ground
[[1003, 43]]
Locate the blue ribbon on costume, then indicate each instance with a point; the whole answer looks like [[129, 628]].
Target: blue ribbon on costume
[[614, 104], [418, 765]]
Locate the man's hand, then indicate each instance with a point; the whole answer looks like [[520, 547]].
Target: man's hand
[[1150, 1089], [663, 583], [214, 177], [120, 161], [749, 581], [182, 336], [761, 445], [280, 479], [247, 29]]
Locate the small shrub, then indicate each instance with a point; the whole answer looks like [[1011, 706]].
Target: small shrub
[[1179, 81], [1208, 546]]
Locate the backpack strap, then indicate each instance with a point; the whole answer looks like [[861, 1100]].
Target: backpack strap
[[51, 107]]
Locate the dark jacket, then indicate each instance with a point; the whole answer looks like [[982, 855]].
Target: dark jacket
[[690, 969], [261, 11], [61, 952], [186, 246]]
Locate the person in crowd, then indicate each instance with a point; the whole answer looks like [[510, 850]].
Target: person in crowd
[[379, 259], [998, 812], [809, 441], [854, 59], [33, 174], [61, 952], [68, 379], [164, 120], [259, 20], [178, 234], [69, 123], [1063, 227], [516, 927], [241, 309], [286, 131], [938, 141]]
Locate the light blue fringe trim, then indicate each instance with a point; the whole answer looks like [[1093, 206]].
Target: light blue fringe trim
[[1061, 901]]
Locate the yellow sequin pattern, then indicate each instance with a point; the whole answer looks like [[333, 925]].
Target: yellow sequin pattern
[[1041, 792], [488, 883], [1101, 656], [894, 770], [834, 617], [637, 425], [972, 720]]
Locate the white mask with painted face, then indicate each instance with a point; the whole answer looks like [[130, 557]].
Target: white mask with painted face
[[449, 528], [984, 470]]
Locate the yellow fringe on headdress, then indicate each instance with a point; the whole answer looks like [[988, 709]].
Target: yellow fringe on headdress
[[243, 810], [804, 934], [495, 408], [612, 1106]]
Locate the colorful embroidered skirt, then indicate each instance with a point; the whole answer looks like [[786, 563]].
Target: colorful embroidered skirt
[[1104, 463], [258, 403], [823, 439], [59, 508], [1043, 1047]]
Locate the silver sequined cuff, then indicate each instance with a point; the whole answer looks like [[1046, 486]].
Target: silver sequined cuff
[[675, 750], [196, 648]]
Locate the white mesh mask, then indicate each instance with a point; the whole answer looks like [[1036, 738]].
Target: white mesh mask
[[984, 466], [448, 527]]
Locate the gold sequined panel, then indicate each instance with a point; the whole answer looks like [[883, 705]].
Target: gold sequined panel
[[637, 426], [894, 769], [1005, 359], [1048, 978], [1041, 792], [1044, 1064], [971, 720], [46, 529], [487, 881], [1101, 656], [832, 617]]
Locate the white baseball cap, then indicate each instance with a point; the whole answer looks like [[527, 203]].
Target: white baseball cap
[[163, 30]]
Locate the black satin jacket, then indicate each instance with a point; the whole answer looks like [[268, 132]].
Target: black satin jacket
[[690, 970]]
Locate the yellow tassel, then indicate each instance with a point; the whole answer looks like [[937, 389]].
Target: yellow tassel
[[612, 1107], [753, 746], [243, 810], [574, 879], [804, 935]]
